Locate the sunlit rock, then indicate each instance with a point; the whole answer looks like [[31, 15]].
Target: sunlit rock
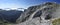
[[45, 12]]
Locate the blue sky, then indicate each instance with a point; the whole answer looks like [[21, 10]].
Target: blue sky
[[22, 3]]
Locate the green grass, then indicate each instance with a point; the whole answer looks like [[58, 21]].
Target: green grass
[[56, 21]]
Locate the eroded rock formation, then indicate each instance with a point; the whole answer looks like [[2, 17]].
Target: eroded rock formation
[[40, 14]]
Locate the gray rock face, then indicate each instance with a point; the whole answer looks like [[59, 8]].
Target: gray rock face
[[39, 15]]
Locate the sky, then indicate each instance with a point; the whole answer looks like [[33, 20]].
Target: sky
[[14, 4]]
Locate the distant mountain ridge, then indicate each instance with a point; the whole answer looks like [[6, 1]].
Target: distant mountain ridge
[[10, 16]]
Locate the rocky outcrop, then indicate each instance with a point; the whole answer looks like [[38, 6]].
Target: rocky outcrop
[[39, 14]]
